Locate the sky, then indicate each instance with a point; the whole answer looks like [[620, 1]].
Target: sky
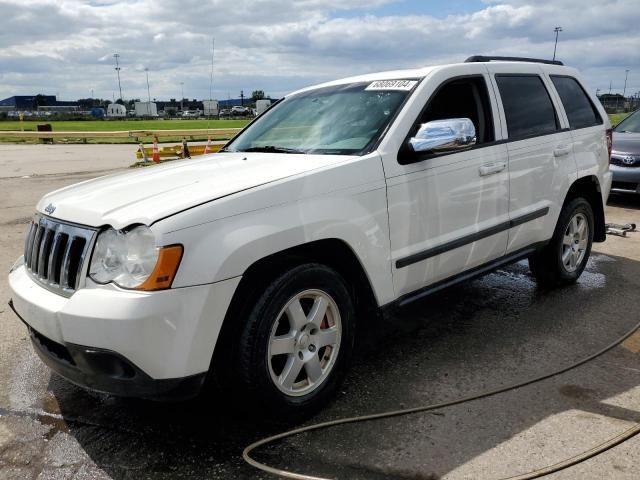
[[66, 47]]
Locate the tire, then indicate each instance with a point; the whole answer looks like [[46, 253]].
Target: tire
[[302, 322], [563, 259]]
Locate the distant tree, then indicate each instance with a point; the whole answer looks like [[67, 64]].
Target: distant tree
[[86, 103], [257, 95], [131, 104]]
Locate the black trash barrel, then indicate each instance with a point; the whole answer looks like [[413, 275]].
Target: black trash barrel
[[45, 127]]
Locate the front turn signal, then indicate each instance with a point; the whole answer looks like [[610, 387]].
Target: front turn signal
[[165, 270]]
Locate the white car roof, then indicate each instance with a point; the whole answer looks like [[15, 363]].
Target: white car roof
[[424, 71], [370, 77]]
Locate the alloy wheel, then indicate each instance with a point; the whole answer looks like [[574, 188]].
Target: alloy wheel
[[304, 342], [575, 242]]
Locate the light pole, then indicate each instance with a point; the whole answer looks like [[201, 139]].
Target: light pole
[[146, 71], [117, 56], [626, 75], [557, 30]]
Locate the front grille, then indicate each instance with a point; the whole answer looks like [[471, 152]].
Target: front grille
[[54, 253], [629, 161]]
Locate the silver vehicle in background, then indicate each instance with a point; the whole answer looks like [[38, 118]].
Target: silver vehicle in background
[[625, 156]]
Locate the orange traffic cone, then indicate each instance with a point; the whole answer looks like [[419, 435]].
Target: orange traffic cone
[[207, 148], [143, 152], [156, 153]]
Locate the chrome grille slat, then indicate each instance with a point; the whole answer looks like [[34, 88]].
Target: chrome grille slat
[[28, 243], [66, 262], [35, 248], [43, 253], [53, 257], [55, 253]]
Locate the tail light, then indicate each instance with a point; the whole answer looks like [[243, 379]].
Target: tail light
[[609, 141]]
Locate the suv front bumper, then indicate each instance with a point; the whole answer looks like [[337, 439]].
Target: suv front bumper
[[124, 342], [106, 371]]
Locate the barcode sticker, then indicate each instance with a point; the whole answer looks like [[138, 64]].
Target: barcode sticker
[[404, 85]]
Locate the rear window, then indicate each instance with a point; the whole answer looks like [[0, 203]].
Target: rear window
[[527, 106], [580, 110]]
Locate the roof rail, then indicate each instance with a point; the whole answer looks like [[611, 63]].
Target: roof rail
[[483, 58]]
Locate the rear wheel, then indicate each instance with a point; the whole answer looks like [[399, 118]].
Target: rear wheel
[[296, 342], [563, 260]]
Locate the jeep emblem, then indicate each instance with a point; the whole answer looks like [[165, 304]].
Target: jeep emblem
[[50, 209]]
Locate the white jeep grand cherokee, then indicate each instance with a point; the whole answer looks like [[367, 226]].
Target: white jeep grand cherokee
[[257, 266]]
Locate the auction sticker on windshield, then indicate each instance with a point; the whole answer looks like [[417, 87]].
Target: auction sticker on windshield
[[404, 85]]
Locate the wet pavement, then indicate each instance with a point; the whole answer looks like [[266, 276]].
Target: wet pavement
[[493, 332]]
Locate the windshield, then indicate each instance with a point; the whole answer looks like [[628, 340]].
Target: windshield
[[341, 120], [630, 124]]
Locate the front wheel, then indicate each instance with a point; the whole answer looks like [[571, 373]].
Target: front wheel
[[563, 260], [296, 343]]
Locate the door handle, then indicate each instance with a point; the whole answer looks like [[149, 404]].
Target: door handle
[[561, 151], [491, 168]]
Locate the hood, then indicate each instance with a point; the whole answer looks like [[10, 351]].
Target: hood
[[626, 143], [151, 193]]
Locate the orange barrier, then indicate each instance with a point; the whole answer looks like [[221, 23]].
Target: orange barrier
[[175, 151]]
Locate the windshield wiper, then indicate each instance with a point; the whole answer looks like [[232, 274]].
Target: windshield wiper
[[271, 149]]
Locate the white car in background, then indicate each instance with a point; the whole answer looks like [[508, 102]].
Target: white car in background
[[257, 267]]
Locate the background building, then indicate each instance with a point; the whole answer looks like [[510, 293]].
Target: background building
[[33, 103]]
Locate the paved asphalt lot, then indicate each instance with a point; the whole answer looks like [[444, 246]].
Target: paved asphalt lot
[[492, 332]]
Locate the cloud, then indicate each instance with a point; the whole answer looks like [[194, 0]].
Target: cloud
[[67, 47]]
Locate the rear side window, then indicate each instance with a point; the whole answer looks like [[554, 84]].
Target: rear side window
[[580, 110], [527, 106]]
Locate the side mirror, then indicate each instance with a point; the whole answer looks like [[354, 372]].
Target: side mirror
[[440, 136]]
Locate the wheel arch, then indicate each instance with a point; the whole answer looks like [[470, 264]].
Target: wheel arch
[[589, 188], [332, 252]]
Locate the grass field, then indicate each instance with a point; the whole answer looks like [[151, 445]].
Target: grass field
[[616, 118], [117, 125], [126, 125]]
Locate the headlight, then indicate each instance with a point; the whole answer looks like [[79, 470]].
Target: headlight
[[131, 259]]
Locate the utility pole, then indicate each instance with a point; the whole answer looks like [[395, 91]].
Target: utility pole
[[117, 56], [146, 71], [181, 96], [213, 49], [610, 84], [557, 30], [242, 98], [624, 90]]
